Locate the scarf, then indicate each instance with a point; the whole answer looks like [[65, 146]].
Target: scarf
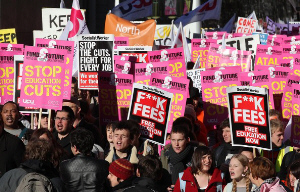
[[177, 161]]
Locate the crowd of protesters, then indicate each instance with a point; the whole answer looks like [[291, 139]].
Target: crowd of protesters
[[71, 152]]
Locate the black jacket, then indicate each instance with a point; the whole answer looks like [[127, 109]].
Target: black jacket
[[287, 160], [11, 152], [84, 173], [143, 184], [11, 179], [65, 143]]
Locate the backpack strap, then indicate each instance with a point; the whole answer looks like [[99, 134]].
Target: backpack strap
[[23, 132], [182, 182]]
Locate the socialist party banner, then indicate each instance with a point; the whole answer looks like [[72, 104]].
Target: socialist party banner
[[18, 72], [195, 75], [295, 131], [6, 76], [249, 117], [114, 96], [8, 36], [143, 71], [286, 101], [16, 48], [166, 55], [43, 78], [66, 45], [268, 55], [150, 107], [139, 35], [179, 87], [200, 49], [246, 25], [95, 54], [140, 52], [214, 83]]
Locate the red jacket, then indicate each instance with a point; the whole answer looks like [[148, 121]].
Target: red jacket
[[191, 185]]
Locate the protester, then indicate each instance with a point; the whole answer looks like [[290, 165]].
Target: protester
[[121, 174], [83, 172], [45, 121], [202, 175], [248, 152], [109, 137], [64, 126], [263, 176], [74, 88], [149, 172], [239, 173], [38, 159], [293, 176], [11, 150], [123, 149]]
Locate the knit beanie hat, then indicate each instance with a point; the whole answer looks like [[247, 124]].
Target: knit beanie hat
[[121, 168]]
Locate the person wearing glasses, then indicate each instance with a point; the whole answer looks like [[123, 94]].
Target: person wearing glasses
[[64, 119]]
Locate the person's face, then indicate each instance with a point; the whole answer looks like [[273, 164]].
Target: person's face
[[178, 142], [206, 162], [195, 103], [62, 123], [109, 134], [226, 134], [73, 90], [121, 139], [44, 122], [44, 137], [113, 180], [277, 138], [236, 169], [73, 106], [249, 155], [10, 115], [292, 179]]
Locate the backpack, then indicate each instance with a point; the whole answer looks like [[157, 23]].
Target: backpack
[[35, 182]]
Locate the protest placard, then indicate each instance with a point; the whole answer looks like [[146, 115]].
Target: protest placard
[[249, 117], [123, 67], [295, 136], [140, 52], [8, 36], [179, 87], [291, 39], [69, 47], [246, 25], [46, 35], [150, 107], [95, 54], [231, 57], [166, 55], [163, 35], [195, 75], [275, 40], [143, 71], [200, 49], [216, 35], [214, 54], [263, 37], [114, 96], [43, 78], [268, 55], [121, 41], [16, 48], [177, 68]]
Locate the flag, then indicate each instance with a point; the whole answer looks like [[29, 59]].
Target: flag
[[75, 26], [164, 36], [209, 10], [62, 4], [180, 40], [133, 9], [229, 25], [252, 16]]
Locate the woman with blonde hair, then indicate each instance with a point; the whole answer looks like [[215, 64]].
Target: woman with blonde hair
[[239, 173]]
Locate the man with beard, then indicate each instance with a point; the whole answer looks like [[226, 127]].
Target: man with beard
[[64, 126]]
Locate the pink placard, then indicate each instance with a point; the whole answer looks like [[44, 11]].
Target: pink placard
[[241, 35], [245, 79], [200, 48], [289, 63], [177, 68], [143, 71], [236, 68], [62, 45], [17, 48], [286, 101], [166, 55], [291, 39], [43, 78], [122, 67], [275, 38], [216, 35], [179, 87], [295, 137], [236, 58], [268, 55], [214, 54], [121, 41]]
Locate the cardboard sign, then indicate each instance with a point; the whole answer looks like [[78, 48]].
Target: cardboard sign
[[43, 78], [114, 96], [121, 41], [245, 25], [8, 36], [295, 136], [200, 49], [140, 52], [214, 96], [150, 107], [55, 19], [249, 117], [16, 48], [166, 55], [95, 54], [139, 35], [144, 71], [195, 75], [46, 35], [268, 55], [69, 47], [179, 87]]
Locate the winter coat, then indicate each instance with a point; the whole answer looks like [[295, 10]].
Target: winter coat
[[272, 187]]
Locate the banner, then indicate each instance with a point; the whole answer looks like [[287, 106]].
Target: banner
[[140, 52], [249, 117], [16, 48], [295, 136], [179, 87], [114, 96], [139, 35], [133, 9], [150, 107], [8, 36], [69, 47], [195, 75], [6, 76], [268, 55], [43, 78], [214, 96], [95, 54], [55, 19], [246, 25], [166, 55], [143, 71], [164, 35], [200, 49]]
